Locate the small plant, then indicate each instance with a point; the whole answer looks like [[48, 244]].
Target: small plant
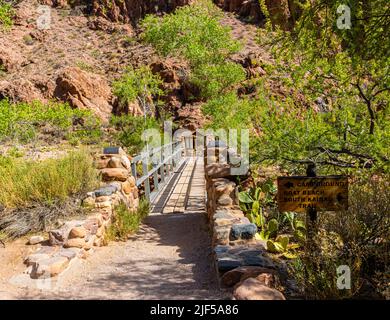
[[28, 40], [84, 66], [130, 129], [126, 222], [6, 15], [138, 84], [268, 230], [253, 201]]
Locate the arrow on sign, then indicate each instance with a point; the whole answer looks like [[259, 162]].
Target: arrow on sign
[[340, 197], [289, 184]]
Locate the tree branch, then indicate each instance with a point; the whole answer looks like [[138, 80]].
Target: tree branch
[[369, 107]]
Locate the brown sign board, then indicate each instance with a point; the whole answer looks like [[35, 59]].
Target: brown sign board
[[324, 193]]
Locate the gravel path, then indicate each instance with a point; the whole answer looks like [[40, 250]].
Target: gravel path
[[168, 259]]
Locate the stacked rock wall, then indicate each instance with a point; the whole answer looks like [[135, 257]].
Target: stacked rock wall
[[77, 238], [241, 261]]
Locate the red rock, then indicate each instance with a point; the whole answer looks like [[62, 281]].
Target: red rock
[[77, 232], [112, 174], [253, 289], [84, 90], [232, 277]]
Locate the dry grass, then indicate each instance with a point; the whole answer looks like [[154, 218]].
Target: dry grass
[[51, 181]]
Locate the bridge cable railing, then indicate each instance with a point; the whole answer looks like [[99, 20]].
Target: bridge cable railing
[[152, 169]]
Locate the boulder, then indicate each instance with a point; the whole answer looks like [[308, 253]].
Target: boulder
[[35, 240], [69, 253], [10, 58], [224, 186], [77, 232], [234, 276], [129, 185], [103, 199], [21, 90], [228, 257], [59, 236], [132, 10], [253, 289], [91, 225], [114, 162], [35, 258], [225, 200], [243, 231], [84, 90], [75, 243], [101, 163], [106, 191], [126, 162], [112, 174], [109, 151], [49, 267], [217, 170]]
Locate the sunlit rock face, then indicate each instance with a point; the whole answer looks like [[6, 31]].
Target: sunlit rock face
[[133, 10]]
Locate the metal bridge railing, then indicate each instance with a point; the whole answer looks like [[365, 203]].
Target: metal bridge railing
[[157, 166]]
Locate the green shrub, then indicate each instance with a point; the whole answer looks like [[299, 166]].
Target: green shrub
[[216, 79], [195, 33], [130, 129], [138, 84], [23, 121], [229, 111], [126, 222], [192, 31], [6, 15], [24, 183]]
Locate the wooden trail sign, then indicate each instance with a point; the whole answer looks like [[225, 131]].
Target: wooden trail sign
[[323, 193]]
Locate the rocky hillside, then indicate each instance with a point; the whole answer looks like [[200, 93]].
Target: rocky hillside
[[88, 45], [282, 12], [76, 59]]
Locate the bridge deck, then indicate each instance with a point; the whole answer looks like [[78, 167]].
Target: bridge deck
[[185, 191]]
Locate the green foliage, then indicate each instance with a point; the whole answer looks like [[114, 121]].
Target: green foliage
[[255, 199], [6, 15], [130, 130], [126, 222], [22, 122], [191, 31], [269, 230], [347, 71], [257, 203], [340, 138], [195, 33], [228, 111], [26, 182], [215, 80], [138, 84]]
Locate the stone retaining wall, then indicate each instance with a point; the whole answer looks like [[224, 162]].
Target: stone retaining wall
[[77, 238], [241, 261]]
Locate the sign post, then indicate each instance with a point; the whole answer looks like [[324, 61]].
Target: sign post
[[311, 194]]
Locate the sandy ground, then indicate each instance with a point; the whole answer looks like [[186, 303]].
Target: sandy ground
[[170, 258]]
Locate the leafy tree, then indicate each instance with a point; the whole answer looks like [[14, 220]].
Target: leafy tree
[[195, 33], [138, 84], [343, 74]]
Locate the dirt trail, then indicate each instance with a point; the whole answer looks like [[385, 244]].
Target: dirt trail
[[168, 259]]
